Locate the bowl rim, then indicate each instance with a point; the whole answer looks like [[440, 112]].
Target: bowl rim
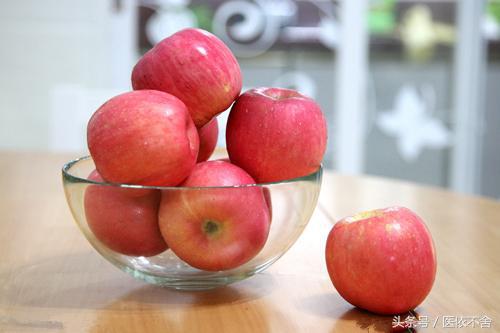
[[69, 177]]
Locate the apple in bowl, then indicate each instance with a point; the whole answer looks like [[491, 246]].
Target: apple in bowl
[[195, 66], [211, 225], [382, 261], [143, 137], [125, 220], [276, 134], [208, 139]]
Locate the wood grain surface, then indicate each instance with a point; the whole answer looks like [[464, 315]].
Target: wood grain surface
[[51, 280]]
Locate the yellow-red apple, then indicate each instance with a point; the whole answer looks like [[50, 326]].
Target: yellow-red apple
[[208, 139], [382, 261], [215, 229], [143, 137], [195, 66], [125, 223], [276, 134]]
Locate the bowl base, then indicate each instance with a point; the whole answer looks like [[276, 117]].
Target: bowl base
[[197, 283]]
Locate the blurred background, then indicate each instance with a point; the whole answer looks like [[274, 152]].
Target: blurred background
[[410, 89]]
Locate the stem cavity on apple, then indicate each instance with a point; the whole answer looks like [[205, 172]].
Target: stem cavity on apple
[[276, 134], [279, 93]]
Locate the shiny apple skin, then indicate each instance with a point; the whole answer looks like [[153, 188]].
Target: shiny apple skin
[[276, 134], [382, 261], [126, 223], [215, 229], [195, 66], [143, 137], [208, 139]]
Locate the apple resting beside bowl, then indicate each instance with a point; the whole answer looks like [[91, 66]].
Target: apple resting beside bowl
[[155, 189]]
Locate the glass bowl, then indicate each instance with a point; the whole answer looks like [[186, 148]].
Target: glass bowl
[[292, 201]]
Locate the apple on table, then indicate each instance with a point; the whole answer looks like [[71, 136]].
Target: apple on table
[[382, 261]]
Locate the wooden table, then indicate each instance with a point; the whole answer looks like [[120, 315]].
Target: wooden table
[[51, 280]]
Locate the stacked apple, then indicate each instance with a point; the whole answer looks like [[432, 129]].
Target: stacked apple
[[163, 133]]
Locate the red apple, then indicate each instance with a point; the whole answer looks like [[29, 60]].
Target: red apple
[[276, 134], [143, 137], [195, 66], [215, 229], [127, 224], [265, 190], [382, 261], [208, 139]]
